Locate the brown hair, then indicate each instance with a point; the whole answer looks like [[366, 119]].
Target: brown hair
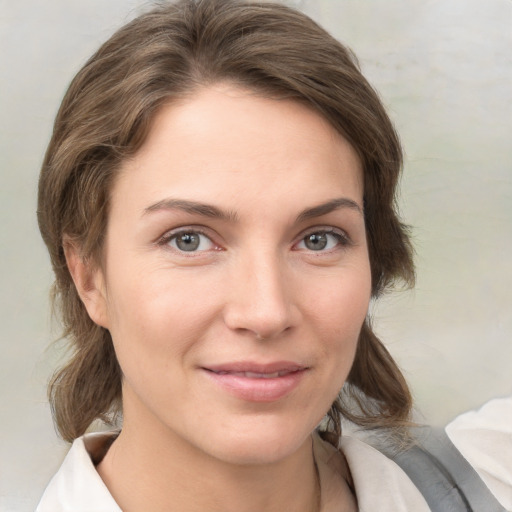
[[104, 118]]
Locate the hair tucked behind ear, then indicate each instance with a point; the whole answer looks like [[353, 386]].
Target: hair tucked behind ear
[[167, 54]]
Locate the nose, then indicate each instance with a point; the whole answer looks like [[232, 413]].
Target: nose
[[261, 298]]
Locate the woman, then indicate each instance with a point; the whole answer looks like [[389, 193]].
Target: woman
[[218, 203]]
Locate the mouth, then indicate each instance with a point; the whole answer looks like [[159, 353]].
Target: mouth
[[256, 375], [257, 382]]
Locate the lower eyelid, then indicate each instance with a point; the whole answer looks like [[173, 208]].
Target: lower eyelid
[[343, 238], [173, 235]]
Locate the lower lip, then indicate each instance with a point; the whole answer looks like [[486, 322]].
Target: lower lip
[[257, 390]]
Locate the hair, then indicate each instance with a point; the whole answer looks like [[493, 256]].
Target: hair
[[169, 53]]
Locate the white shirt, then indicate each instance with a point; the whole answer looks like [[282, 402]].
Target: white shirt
[[483, 437]]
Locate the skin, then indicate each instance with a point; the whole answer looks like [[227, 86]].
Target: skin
[[253, 291]]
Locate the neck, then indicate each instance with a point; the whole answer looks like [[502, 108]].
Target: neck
[[154, 469]]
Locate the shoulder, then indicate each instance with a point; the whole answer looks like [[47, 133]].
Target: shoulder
[[484, 437], [77, 486]]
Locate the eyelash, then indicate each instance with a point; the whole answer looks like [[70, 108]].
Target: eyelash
[[172, 235], [343, 240], [341, 237]]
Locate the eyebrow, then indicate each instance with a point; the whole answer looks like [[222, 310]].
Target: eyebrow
[[203, 209], [328, 207], [208, 210]]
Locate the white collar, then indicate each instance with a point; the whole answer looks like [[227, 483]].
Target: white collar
[[77, 486], [379, 483]]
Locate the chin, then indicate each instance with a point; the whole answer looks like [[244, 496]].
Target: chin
[[257, 444]]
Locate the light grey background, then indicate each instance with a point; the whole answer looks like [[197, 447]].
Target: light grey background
[[444, 70]]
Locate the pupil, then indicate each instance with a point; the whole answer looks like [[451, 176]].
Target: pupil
[[188, 242], [316, 242]]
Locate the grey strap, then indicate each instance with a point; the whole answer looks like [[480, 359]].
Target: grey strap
[[444, 477]]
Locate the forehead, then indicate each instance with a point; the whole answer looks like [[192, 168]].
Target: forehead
[[229, 143]]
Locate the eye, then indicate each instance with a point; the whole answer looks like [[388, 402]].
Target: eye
[[322, 241], [189, 241]]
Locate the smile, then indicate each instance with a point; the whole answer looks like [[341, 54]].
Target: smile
[[255, 375], [257, 383]]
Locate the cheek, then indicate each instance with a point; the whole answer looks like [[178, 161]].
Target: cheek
[[161, 319], [338, 313], [152, 316], [339, 302]]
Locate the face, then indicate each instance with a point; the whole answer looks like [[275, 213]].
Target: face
[[236, 275]]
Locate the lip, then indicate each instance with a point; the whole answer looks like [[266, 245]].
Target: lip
[[256, 382]]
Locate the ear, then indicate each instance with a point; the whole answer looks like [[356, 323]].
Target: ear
[[89, 282]]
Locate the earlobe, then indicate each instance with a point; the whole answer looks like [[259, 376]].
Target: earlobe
[[89, 282]]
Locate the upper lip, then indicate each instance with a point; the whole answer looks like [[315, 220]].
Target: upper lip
[[254, 367]]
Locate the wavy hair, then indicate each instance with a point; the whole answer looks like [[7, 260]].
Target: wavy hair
[[169, 53]]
